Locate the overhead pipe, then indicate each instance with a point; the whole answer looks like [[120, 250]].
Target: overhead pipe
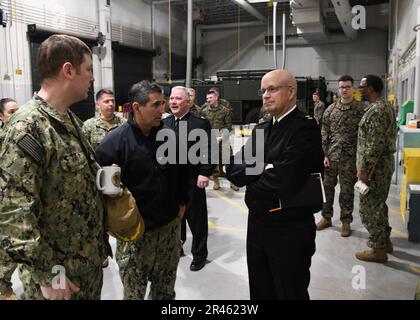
[[283, 65], [223, 26], [275, 34], [345, 16], [251, 10], [417, 82], [189, 44]]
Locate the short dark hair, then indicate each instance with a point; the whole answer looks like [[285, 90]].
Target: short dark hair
[[374, 82], [139, 92], [3, 103], [346, 77], [214, 90], [316, 93], [102, 92], [59, 49]]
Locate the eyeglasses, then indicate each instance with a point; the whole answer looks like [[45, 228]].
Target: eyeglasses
[[345, 88], [361, 87], [271, 89]]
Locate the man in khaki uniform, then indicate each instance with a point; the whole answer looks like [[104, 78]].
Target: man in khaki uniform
[[96, 129], [51, 213], [220, 119]]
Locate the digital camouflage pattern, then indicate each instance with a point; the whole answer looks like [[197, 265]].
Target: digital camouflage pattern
[[224, 103], [7, 266], [51, 212], [220, 118], [339, 141], [339, 129], [375, 154], [264, 115], [154, 258], [196, 110], [90, 285], [96, 129], [319, 108]]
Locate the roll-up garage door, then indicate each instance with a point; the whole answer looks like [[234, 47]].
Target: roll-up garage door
[[84, 109], [179, 66], [131, 65]]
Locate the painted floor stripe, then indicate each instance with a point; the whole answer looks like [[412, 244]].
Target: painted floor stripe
[[215, 226], [224, 198]]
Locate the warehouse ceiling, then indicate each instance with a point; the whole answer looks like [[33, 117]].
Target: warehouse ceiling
[[216, 12]]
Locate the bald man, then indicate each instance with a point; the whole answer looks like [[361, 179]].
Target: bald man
[[280, 242]]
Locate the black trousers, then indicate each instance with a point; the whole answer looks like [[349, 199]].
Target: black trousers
[[196, 216], [279, 257]]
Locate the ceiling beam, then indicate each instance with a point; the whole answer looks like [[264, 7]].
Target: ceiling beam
[[251, 10]]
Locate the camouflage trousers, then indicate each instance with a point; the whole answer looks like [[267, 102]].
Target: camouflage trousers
[[373, 208], [154, 257], [90, 284], [417, 294], [225, 152], [7, 267], [345, 171]]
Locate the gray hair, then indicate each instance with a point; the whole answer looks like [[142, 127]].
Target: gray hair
[[185, 90]]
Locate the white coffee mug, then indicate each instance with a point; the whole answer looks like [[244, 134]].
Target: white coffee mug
[[108, 180], [361, 187]]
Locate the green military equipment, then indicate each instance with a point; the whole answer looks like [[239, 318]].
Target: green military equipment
[[407, 107]]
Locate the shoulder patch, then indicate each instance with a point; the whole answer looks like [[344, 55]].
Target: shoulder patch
[[31, 147]]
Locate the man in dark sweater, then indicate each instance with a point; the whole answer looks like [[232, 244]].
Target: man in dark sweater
[[280, 242], [196, 213], [161, 193]]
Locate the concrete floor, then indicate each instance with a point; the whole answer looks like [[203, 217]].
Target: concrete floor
[[334, 266]]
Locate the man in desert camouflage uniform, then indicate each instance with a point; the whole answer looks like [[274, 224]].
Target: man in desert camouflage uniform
[[220, 119], [97, 128], [339, 140], [319, 108], [51, 214], [7, 266], [375, 166], [195, 109]]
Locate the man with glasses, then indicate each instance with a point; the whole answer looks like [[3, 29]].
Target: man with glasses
[[339, 141], [280, 241], [375, 166]]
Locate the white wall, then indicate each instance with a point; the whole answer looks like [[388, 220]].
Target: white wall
[[404, 17], [78, 16], [81, 17], [367, 54]]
